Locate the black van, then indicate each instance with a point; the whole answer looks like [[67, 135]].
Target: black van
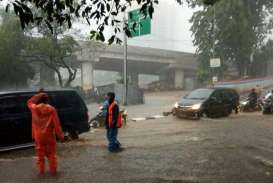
[[213, 102], [15, 117]]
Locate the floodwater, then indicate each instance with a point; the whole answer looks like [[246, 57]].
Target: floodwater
[[226, 150]]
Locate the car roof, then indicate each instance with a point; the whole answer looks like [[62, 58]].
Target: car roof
[[223, 88], [219, 89], [30, 91], [204, 89]]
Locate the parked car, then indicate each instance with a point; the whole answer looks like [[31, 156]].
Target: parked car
[[15, 117], [213, 102]]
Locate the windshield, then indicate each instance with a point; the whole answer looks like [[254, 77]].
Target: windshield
[[199, 94]]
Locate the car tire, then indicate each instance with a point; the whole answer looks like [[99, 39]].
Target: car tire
[[236, 110], [95, 124], [208, 115], [173, 112], [241, 109], [266, 111], [199, 116], [73, 134], [196, 117], [227, 112]]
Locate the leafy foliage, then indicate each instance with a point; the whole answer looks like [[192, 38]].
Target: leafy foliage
[[55, 54], [100, 12], [53, 50], [13, 70], [232, 30], [262, 58]]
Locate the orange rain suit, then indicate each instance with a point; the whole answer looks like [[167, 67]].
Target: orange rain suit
[[45, 127]]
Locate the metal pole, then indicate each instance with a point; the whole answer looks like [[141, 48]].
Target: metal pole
[[214, 32], [125, 84], [214, 72]]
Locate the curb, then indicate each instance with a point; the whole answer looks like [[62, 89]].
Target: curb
[[147, 118]]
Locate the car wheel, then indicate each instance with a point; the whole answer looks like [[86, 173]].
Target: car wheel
[[227, 112], [73, 134], [66, 136], [207, 114], [196, 116], [236, 109], [95, 124], [241, 109], [266, 111], [199, 115], [173, 112]]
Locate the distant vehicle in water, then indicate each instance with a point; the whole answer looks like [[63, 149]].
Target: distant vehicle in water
[[15, 117], [268, 103], [212, 102], [245, 106], [99, 119]]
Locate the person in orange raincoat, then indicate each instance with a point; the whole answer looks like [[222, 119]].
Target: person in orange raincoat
[[45, 127]]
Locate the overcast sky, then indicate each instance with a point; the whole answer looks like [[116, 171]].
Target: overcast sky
[[170, 28]]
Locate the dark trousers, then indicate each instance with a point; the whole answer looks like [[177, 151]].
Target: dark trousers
[[112, 134]]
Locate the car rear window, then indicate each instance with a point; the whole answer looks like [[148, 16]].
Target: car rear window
[[13, 104], [17, 103], [66, 100], [8, 105]]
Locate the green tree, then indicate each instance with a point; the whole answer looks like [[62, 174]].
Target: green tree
[[13, 70], [262, 58], [231, 30], [56, 54], [53, 50]]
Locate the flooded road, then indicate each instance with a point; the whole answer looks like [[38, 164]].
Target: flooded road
[[226, 150]]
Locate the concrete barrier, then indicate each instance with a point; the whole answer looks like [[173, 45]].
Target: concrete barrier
[[245, 85], [135, 95]]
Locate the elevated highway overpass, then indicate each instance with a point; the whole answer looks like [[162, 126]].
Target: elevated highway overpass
[[171, 66]]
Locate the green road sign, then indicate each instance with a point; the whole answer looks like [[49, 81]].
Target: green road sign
[[142, 23]]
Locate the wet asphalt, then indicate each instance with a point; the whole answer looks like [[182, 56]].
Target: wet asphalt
[[226, 150]]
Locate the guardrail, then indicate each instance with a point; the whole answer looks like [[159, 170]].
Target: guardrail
[[245, 85]]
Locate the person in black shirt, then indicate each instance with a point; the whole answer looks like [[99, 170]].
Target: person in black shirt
[[253, 98]]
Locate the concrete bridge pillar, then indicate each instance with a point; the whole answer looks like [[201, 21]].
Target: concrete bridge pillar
[[88, 55], [179, 79], [87, 74], [134, 78], [163, 77]]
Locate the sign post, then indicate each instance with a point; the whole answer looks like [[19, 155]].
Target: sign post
[[139, 24], [125, 84], [215, 63], [214, 79]]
